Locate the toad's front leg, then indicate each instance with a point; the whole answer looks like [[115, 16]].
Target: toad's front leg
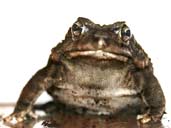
[[154, 97], [33, 89]]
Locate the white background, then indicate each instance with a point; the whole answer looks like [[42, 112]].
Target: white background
[[30, 28]]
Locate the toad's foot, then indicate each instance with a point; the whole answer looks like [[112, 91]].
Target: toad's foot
[[145, 118], [19, 117]]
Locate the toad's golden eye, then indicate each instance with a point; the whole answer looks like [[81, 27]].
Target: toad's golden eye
[[125, 33], [77, 30]]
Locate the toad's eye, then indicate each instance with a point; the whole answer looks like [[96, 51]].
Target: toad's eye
[[77, 29], [125, 33]]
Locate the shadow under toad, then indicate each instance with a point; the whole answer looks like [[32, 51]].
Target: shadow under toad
[[60, 117]]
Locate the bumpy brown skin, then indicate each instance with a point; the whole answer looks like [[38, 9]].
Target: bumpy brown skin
[[100, 68]]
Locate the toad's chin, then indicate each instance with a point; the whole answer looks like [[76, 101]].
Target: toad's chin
[[98, 54]]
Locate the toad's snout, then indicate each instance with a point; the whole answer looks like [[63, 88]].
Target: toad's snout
[[102, 39], [101, 43]]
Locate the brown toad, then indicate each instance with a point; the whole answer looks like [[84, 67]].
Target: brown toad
[[100, 68]]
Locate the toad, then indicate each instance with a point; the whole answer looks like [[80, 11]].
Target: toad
[[101, 68]]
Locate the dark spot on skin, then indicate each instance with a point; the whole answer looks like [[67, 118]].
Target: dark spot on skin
[[93, 86], [94, 126], [97, 101], [73, 92]]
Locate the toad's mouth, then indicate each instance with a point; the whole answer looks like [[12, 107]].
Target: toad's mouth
[[99, 54]]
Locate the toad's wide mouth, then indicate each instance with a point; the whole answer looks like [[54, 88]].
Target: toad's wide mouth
[[99, 54]]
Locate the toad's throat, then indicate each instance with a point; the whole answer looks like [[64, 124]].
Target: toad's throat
[[99, 54]]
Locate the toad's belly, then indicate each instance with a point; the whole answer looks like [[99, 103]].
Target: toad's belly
[[105, 87], [106, 101]]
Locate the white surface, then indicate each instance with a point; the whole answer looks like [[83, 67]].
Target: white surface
[[30, 28]]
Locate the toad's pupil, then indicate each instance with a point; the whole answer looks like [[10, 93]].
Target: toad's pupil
[[126, 33]]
